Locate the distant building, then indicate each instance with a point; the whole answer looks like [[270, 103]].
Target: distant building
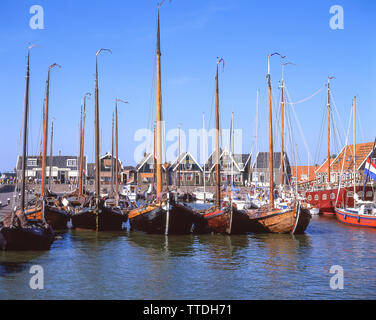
[[64, 168], [261, 172], [129, 175], [106, 167], [145, 170], [231, 165], [344, 163], [190, 171], [303, 173]]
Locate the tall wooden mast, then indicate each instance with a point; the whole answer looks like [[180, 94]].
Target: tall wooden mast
[[217, 169], [97, 160], [328, 112], [45, 129], [97, 136], [153, 158], [82, 146], [354, 149], [271, 167], [26, 115], [50, 162], [117, 155], [159, 115], [179, 158], [282, 130], [112, 156]]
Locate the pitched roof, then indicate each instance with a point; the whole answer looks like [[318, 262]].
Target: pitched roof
[[324, 167], [262, 160], [181, 157], [308, 171], [346, 156], [145, 159], [57, 161]]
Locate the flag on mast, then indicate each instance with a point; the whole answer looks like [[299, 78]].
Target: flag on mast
[[370, 169]]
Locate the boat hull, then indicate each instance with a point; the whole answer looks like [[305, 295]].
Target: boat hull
[[220, 221], [294, 220], [55, 217], [108, 219], [355, 219], [153, 219], [326, 200], [31, 237]]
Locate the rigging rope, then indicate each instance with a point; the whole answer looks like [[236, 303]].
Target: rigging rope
[[308, 98]]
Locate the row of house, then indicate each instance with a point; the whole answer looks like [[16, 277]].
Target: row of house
[[239, 168], [185, 170]]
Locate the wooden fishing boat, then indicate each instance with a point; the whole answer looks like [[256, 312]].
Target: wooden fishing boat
[[97, 216], [53, 211], [55, 215], [228, 220], [223, 217], [162, 216], [16, 231], [293, 220], [24, 234], [271, 218]]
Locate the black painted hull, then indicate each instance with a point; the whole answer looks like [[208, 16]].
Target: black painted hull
[[31, 237], [109, 219], [180, 221], [56, 218]]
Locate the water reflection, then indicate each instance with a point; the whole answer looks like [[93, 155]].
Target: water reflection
[[174, 245], [17, 261]]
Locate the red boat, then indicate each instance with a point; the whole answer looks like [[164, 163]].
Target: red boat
[[325, 200], [365, 216]]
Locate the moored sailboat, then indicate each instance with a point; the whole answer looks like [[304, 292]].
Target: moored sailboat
[[17, 232], [97, 215], [223, 217], [164, 215], [271, 218], [360, 213]]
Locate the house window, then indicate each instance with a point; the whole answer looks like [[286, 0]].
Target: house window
[[316, 197], [309, 197], [207, 176], [223, 178], [181, 177], [71, 163], [187, 166], [189, 176], [369, 194], [238, 178], [324, 196], [32, 162], [332, 196]]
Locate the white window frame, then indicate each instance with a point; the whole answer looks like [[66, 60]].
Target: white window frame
[[75, 163]]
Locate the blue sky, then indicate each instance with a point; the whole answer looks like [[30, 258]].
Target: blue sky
[[193, 34]]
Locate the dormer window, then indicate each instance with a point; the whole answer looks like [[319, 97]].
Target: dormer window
[[32, 162], [71, 162]]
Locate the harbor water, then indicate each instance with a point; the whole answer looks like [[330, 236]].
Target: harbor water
[[133, 265]]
